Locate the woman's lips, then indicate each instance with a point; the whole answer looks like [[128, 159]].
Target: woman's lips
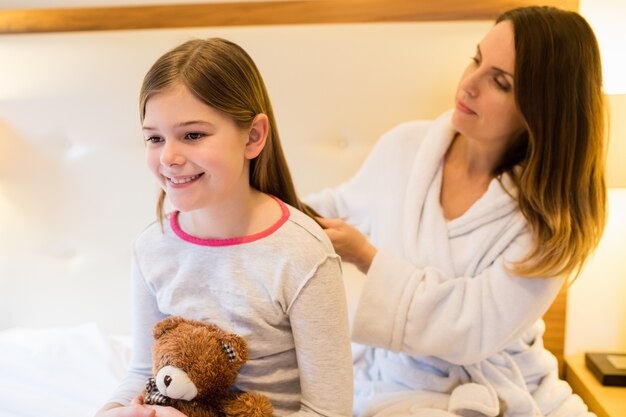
[[460, 106]]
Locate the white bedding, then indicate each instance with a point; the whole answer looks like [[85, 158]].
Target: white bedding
[[59, 372]]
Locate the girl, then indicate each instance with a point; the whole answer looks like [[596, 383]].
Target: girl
[[237, 251], [474, 221]]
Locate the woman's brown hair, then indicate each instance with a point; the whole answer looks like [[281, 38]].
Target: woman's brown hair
[[561, 180], [222, 75]]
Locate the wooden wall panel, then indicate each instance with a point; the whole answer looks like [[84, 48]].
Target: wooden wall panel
[[256, 13], [554, 338]]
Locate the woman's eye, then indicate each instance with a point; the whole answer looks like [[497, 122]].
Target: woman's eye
[[476, 60], [502, 85], [194, 135]]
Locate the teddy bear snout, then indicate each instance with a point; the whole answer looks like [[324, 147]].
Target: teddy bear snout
[[175, 383]]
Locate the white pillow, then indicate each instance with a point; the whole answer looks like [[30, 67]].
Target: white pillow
[[59, 372]]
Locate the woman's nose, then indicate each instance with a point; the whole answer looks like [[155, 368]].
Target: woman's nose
[[470, 85]]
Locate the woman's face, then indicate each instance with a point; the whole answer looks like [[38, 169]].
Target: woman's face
[[485, 108]]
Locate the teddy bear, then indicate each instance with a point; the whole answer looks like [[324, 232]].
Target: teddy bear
[[195, 365]]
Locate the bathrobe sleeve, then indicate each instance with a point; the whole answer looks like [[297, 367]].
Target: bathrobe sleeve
[[463, 320]]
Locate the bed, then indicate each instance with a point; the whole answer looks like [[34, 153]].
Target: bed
[[70, 371], [74, 191]]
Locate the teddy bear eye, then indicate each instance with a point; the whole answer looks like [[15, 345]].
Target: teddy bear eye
[[230, 352]]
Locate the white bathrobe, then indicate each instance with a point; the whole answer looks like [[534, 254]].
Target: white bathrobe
[[445, 328]]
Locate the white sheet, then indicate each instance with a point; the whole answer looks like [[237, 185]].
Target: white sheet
[[59, 372]]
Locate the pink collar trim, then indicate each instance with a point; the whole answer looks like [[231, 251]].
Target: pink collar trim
[[231, 241]]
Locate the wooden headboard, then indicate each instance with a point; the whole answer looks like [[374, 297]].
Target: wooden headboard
[[257, 13], [554, 337]]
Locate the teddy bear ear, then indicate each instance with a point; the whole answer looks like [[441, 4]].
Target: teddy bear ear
[[166, 325], [235, 348]]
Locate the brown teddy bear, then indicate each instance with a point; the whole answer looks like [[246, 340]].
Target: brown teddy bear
[[195, 364]]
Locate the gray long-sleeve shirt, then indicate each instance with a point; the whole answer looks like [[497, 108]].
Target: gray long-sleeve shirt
[[281, 290]]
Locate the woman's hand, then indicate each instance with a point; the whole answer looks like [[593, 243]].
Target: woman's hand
[[349, 243]]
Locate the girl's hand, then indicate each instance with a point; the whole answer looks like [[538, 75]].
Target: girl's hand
[[135, 409], [138, 400], [159, 411], [349, 243], [162, 411]]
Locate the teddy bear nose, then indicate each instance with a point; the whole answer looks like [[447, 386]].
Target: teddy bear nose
[[167, 380]]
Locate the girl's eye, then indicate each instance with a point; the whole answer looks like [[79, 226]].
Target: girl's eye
[[476, 60], [154, 139], [194, 135]]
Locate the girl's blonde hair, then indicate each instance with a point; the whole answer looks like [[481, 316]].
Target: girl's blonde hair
[[558, 89], [222, 75]]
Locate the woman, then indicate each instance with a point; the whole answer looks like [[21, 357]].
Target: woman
[[474, 221]]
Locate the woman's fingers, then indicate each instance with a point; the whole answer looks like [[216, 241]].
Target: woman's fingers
[[327, 223]]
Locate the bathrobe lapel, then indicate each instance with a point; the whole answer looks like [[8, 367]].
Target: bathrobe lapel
[[422, 210]]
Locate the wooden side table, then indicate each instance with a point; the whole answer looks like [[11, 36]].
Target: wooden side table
[[604, 401]]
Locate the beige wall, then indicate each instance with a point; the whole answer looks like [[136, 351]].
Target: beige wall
[[596, 316]]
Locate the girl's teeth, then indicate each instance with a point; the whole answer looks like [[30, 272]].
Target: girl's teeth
[[183, 180]]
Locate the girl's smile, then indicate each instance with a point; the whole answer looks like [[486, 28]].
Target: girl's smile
[[178, 182]]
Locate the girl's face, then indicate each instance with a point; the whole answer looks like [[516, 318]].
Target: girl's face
[[485, 106], [198, 155]]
